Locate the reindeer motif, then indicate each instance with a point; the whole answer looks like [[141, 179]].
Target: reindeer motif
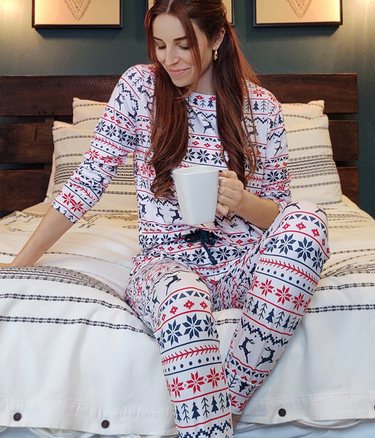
[[159, 213], [176, 214], [269, 358], [243, 347]]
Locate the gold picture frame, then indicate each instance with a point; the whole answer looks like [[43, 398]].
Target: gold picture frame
[[51, 14], [297, 13], [228, 4]]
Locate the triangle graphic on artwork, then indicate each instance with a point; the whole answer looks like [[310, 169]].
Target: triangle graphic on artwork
[[300, 7], [78, 7]]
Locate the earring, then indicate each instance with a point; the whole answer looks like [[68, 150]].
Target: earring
[[216, 55]]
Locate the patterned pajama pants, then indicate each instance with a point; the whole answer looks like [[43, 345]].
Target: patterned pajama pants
[[273, 283]]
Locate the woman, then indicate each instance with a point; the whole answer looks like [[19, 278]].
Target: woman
[[199, 104]]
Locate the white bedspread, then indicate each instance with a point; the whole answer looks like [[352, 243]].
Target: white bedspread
[[74, 355]]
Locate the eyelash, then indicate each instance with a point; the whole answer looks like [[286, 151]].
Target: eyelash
[[181, 47]]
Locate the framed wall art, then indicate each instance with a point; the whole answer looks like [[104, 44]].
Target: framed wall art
[[297, 12], [228, 4], [77, 14]]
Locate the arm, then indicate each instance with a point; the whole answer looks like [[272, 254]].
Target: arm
[[261, 212], [49, 231]]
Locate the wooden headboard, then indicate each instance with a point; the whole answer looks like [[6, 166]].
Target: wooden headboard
[[30, 104]]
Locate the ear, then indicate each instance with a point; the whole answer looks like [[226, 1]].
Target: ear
[[218, 39]]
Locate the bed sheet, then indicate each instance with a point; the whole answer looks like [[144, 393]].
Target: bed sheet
[[96, 362]]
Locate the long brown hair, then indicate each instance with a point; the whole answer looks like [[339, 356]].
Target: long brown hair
[[231, 72]]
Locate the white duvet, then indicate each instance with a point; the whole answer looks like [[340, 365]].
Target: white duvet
[[74, 356]]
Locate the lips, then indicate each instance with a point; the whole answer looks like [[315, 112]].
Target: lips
[[177, 73]]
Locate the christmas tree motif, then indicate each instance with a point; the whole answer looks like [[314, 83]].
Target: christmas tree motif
[[214, 405], [279, 319], [256, 106], [255, 308], [263, 106], [286, 323], [206, 411], [293, 324], [222, 401], [228, 400], [178, 417], [185, 412], [262, 310], [270, 316], [195, 411]]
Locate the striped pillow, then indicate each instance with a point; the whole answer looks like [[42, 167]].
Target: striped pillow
[[314, 175], [70, 142]]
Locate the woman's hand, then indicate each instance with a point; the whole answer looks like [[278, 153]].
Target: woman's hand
[[232, 196], [231, 192]]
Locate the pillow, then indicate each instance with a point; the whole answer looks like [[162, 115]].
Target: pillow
[[314, 175], [86, 113], [70, 142]]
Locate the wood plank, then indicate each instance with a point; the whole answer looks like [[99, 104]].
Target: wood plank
[[20, 189], [26, 143], [51, 95], [344, 138], [339, 91], [349, 182]]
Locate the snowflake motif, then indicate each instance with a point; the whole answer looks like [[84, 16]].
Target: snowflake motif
[[192, 326], [286, 244], [315, 232], [203, 156], [301, 226], [223, 254], [199, 256], [299, 301], [214, 377], [283, 295], [255, 283], [209, 326], [237, 252], [173, 332], [267, 287], [110, 131], [318, 259], [272, 244], [190, 155], [100, 126], [184, 257], [176, 387], [217, 158], [305, 249], [93, 154], [196, 382], [68, 198]]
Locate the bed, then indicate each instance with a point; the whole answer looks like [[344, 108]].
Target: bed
[[75, 360]]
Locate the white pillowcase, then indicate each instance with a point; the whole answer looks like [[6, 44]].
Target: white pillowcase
[[70, 143], [314, 175]]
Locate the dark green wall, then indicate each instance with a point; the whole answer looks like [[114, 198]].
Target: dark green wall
[[347, 48]]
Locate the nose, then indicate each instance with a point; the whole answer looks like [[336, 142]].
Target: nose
[[171, 57]]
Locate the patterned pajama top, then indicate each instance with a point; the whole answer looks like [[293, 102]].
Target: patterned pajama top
[[125, 127]]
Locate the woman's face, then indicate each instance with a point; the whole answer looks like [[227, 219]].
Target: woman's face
[[174, 54]]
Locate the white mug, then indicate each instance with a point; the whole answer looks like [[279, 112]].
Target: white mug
[[197, 189]]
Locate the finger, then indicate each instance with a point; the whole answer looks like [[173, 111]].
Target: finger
[[228, 174], [222, 209]]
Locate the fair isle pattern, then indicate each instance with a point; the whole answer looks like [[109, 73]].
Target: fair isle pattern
[[273, 282], [285, 273], [126, 127], [176, 305]]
